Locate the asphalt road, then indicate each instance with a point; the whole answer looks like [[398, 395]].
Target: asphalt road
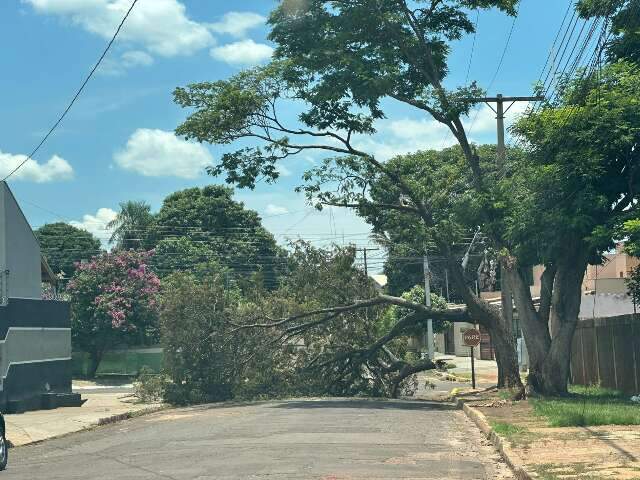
[[294, 440]]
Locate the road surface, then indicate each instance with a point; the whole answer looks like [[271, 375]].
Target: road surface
[[331, 439]]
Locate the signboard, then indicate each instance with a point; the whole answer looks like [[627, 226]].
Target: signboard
[[471, 338]]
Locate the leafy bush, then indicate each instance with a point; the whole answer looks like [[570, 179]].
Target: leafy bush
[[200, 359], [150, 387]]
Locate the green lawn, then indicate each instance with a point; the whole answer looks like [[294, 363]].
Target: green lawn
[[588, 406]]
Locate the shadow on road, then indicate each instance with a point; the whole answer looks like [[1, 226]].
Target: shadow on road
[[366, 404]]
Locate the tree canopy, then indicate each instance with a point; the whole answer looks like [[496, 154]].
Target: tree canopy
[[113, 300], [554, 202], [64, 245], [198, 225]]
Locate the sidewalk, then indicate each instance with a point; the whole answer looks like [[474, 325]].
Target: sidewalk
[[439, 386], [100, 407], [537, 450], [486, 370]]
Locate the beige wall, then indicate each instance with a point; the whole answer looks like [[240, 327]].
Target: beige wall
[[609, 277]]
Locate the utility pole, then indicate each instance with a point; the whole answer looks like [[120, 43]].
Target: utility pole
[[365, 250], [500, 100], [427, 302]]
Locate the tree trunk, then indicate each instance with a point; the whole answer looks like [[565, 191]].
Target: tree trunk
[[535, 329], [565, 308], [550, 356], [506, 358], [491, 319], [95, 357]]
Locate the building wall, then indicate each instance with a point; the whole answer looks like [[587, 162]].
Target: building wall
[[460, 349], [20, 250], [609, 277], [602, 305], [35, 352]]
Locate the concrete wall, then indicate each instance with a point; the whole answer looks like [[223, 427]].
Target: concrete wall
[[35, 353], [19, 250], [603, 305]]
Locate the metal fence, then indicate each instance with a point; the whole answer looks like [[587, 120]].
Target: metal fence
[[606, 352]]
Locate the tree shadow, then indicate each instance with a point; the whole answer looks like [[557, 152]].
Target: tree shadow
[[364, 403]]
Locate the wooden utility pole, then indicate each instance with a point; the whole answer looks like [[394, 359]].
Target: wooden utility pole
[[500, 110]]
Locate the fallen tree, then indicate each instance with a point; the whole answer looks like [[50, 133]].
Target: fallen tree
[[340, 60]]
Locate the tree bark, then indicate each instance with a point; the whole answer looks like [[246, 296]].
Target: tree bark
[[535, 331], [491, 319], [550, 356], [565, 308]]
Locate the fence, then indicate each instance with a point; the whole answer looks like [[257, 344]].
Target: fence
[[120, 362], [606, 351]]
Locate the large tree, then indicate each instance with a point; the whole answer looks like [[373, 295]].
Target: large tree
[[340, 60], [580, 182], [64, 246], [212, 226]]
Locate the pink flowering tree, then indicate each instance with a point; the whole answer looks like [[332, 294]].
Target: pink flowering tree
[[113, 301]]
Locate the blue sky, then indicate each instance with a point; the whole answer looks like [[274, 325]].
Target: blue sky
[[117, 143]]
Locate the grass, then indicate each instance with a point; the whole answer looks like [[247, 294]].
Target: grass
[[550, 471], [507, 429], [519, 436], [588, 406]]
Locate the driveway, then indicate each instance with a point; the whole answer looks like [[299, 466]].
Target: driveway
[[331, 439]]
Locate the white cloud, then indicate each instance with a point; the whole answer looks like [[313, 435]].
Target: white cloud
[[157, 153], [134, 58], [283, 171], [97, 224], [130, 59], [243, 52], [402, 136], [272, 209], [238, 24], [399, 137], [160, 26], [54, 169]]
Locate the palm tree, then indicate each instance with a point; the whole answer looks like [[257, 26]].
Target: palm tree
[[133, 226]]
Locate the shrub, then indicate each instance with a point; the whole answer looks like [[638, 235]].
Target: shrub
[[150, 387], [200, 357]]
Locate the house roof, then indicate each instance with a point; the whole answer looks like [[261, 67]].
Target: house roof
[[47, 274]]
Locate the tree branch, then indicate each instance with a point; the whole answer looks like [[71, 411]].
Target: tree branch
[[388, 206], [450, 315]]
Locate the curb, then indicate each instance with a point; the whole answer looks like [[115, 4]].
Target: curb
[[509, 456], [99, 423], [128, 415]]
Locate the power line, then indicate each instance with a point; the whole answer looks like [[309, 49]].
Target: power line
[[504, 53], [78, 93], [473, 46], [495, 75], [555, 40]]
